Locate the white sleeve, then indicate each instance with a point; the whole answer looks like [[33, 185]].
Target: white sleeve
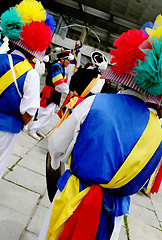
[[31, 93], [62, 88], [61, 143], [78, 59], [161, 121]]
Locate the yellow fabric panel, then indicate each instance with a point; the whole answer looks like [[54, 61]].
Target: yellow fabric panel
[[20, 68], [90, 86], [64, 206], [57, 78], [69, 162], [34, 60], [147, 190], [140, 154], [75, 56]]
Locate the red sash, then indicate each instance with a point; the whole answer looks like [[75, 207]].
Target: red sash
[[46, 92], [83, 224]]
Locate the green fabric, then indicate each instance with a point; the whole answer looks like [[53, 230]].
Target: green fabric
[[148, 74], [11, 24]]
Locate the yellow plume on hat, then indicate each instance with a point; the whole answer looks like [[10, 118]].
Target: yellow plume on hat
[[31, 10], [156, 31]]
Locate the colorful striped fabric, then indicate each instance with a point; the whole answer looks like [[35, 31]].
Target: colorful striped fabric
[[126, 80], [58, 74], [58, 79], [39, 55]]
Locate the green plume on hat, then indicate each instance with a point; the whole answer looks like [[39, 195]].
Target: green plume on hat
[[148, 74], [11, 24]]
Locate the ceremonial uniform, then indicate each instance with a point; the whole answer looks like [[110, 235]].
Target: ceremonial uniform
[[75, 63], [24, 25], [50, 96], [92, 124], [11, 106]]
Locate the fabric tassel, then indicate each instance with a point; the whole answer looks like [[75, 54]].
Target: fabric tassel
[[83, 224]]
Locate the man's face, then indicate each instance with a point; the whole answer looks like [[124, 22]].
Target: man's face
[[65, 62], [77, 46]]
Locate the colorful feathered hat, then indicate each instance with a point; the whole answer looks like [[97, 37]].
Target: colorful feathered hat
[[99, 59], [137, 59], [29, 26], [79, 43], [65, 54]]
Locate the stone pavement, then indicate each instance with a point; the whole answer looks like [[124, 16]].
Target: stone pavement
[[24, 201]]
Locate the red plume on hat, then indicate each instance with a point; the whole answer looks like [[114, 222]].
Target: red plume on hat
[[29, 26], [37, 35]]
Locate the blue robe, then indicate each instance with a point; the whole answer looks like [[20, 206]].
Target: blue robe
[[111, 129]]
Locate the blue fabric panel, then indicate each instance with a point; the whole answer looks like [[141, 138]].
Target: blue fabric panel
[[118, 133], [58, 70], [10, 117]]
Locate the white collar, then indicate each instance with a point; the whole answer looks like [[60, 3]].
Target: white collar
[[153, 110], [17, 52], [134, 93]]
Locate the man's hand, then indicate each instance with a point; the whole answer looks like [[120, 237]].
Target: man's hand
[[26, 118]]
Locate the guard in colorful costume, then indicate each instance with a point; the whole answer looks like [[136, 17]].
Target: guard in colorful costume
[[29, 35], [84, 83], [51, 94], [81, 84], [75, 63], [110, 153]]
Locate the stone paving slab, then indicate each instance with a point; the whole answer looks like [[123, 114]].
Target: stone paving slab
[[17, 198], [38, 153], [30, 236], [45, 200], [33, 164], [145, 215], [12, 223], [28, 179], [123, 235], [141, 200], [140, 231], [20, 150], [24, 140], [13, 160], [37, 220], [157, 202], [43, 144]]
